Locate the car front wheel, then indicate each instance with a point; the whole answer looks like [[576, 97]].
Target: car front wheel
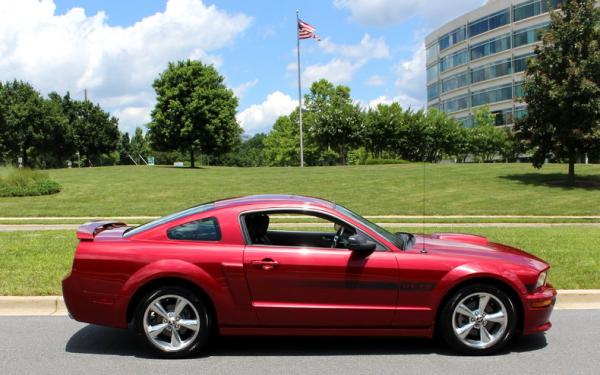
[[173, 321], [478, 319]]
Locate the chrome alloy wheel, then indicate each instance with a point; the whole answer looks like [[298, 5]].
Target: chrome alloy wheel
[[479, 320], [171, 323]]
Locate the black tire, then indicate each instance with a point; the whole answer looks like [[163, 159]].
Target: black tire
[[204, 320], [467, 345]]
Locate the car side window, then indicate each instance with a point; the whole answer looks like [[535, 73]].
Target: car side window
[[198, 230], [287, 228]]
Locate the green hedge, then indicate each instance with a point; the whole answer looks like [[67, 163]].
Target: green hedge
[[384, 161], [25, 182]]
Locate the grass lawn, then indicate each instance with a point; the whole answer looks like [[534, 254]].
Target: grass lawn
[[34, 263], [485, 189]]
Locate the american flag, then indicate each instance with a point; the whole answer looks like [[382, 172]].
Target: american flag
[[306, 31]]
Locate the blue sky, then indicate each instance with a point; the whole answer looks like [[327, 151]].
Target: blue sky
[[115, 48]]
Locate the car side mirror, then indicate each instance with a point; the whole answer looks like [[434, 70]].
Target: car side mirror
[[360, 243]]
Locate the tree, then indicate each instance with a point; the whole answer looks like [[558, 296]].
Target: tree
[[194, 111], [562, 87], [22, 117], [427, 135], [487, 140], [441, 134], [250, 153], [282, 144], [92, 132], [95, 131], [463, 144], [382, 126], [124, 149], [139, 146], [56, 146], [337, 120]]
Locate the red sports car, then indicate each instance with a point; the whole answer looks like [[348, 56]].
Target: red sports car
[[221, 268]]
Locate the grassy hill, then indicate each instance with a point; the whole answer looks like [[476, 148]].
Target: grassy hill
[[487, 189]]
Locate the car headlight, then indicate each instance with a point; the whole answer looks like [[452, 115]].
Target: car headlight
[[541, 280]]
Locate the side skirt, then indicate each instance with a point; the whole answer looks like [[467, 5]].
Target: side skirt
[[283, 331]]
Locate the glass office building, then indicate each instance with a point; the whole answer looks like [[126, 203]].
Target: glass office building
[[479, 59]]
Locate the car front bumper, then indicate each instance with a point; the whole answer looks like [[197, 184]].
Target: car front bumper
[[537, 308]]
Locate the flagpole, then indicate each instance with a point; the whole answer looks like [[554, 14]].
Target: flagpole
[[299, 90]]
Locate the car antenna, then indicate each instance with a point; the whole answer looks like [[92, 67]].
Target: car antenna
[[423, 250]]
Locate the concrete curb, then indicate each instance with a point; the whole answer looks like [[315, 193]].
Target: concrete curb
[[32, 305], [575, 299]]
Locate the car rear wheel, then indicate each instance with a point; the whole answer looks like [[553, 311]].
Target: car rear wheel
[[173, 322], [478, 319]]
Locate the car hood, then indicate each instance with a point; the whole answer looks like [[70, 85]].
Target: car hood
[[477, 248]]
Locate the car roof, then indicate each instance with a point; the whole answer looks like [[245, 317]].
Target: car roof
[[275, 199]]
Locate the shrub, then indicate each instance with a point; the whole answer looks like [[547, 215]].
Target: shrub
[[385, 161], [25, 182]]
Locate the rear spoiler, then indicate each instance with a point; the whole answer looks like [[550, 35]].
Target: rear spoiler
[[88, 231]]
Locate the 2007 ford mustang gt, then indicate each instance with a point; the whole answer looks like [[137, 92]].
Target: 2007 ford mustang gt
[[221, 268]]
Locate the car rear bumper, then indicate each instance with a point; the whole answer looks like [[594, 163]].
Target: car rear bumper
[[89, 307], [537, 308]]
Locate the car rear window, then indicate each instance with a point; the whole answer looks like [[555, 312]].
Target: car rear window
[[166, 219], [197, 230]]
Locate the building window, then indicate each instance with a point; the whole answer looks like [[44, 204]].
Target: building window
[[490, 47], [456, 59], [520, 63], [437, 106], [493, 95], [504, 117], [456, 81], [531, 8], [520, 112], [519, 90], [452, 38], [494, 70], [433, 91], [456, 104], [489, 23], [432, 53], [529, 35], [432, 73], [198, 230], [466, 121]]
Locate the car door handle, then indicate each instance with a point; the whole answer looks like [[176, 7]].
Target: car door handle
[[266, 264]]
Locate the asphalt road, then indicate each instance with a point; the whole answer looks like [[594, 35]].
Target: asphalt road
[[57, 345]]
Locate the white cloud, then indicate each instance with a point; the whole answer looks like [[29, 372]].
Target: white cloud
[[260, 117], [240, 91], [405, 101], [136, 116], [411, 76], [74, 51], [391, 12], [337, 71], [349, 59], [375, 80], [367, 48]]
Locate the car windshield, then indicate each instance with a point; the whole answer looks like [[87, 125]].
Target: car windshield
[[374, 227], [165, 219]]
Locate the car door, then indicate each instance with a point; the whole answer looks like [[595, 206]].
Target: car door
[[301, 286]]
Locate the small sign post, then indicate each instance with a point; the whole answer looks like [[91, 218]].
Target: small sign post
[[20, 160], [151, 160]]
